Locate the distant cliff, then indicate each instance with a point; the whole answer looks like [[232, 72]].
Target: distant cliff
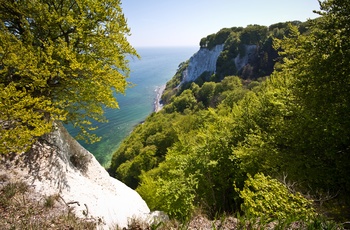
[[205, 62], [202, 61], [244, 52]]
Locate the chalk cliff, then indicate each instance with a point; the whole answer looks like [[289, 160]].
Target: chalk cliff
[[57, 164], [202, 61], [205, 60]]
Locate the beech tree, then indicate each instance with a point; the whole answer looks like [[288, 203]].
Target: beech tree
[[59, 60], [319, 64]]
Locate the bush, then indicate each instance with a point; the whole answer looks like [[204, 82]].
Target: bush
[[269, 199], [174, 195]]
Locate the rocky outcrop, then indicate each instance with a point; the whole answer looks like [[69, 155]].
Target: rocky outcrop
[[202, 61], [57, 164]]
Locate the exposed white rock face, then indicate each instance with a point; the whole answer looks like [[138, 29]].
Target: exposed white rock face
[[60, 165], [240, 62], [202, 61]]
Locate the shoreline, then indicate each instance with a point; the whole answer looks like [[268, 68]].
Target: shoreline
[[157, 103]]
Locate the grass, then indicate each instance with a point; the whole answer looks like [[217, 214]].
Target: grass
[[20, 209]]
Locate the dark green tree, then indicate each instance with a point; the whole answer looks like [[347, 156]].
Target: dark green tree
[[253, 34], [314, 139]]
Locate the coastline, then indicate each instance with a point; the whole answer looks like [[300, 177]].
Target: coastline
[[157, 103]]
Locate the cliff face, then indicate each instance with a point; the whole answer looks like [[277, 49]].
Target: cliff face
[[202, 61], [205, 60], [57, 164]]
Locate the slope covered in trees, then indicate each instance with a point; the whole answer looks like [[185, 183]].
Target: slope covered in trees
[[59, 60], [277, 147]]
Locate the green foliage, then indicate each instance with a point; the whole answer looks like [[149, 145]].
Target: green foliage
[[294, 121], [172, 85], [177, 195], [184, 101], [201, 153], [206, 93], [24, 113], [149, 142], [253, 34], [269, 199], [216, 39], [59, 60], [170, 187], [318, 63]]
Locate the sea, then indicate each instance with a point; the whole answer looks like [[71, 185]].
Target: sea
[[156, 66]]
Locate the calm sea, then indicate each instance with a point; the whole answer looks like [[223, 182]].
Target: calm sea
[[154, 69]]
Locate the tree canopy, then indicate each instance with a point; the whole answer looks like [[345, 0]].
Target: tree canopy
[[59, 60], [275, 148]]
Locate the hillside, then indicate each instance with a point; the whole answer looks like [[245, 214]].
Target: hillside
[[198, 85], [263, 134]]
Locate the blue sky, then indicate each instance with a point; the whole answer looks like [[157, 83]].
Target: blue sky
[[185, 22]]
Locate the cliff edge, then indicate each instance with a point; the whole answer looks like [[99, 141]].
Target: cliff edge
[[58, 165]]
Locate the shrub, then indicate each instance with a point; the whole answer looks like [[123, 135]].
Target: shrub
[[267, 198]]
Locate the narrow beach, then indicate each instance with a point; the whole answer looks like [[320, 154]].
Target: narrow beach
[[157, 103]]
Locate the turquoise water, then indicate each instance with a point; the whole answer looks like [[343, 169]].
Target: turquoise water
[[156, 67]]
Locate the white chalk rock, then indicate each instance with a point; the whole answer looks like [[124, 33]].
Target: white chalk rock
[[202, 61], [60, 165]]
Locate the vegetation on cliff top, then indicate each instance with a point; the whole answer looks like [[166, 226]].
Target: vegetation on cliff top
[[261, 57], [293, 126]]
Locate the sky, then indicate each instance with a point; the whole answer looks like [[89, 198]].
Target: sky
[[155, 23]]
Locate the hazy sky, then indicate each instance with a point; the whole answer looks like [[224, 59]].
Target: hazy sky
[[185, 22]]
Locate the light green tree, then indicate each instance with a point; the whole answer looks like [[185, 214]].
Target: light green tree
[[268, 198], [59, 60]]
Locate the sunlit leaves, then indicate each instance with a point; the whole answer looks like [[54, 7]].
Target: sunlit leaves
[[69, 54], [268, 198], [22, 117]]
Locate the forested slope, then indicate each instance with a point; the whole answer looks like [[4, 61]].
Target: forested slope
[[272, 144]]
